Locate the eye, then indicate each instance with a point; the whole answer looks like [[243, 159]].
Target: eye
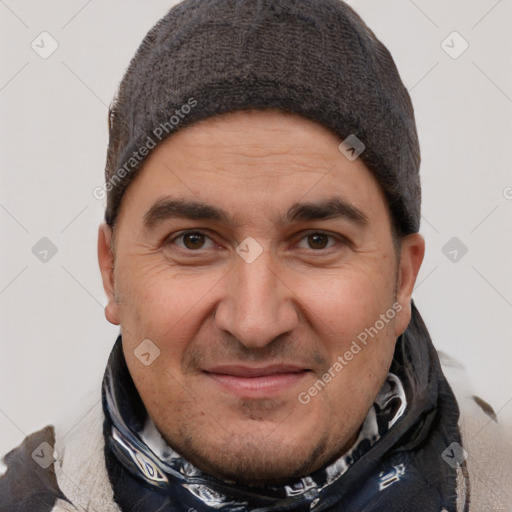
[[317, 241], [192, 241]]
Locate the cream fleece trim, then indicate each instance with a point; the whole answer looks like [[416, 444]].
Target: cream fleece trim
[[488, 446], [80, 466]]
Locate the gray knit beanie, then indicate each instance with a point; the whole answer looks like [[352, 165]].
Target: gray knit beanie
[[316, 58]]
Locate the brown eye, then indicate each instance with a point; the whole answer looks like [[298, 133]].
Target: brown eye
[[190, 241], [193, 240], [318, 241]]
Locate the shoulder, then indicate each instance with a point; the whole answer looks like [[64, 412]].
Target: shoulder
[[29, 481], [487, 444], [60, 467]]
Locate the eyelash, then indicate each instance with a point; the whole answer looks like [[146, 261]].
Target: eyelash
[[339, 238]]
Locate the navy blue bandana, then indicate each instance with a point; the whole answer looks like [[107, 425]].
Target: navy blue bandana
[[395, 463]]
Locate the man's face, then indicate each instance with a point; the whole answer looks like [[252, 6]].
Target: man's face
[[255, 293]]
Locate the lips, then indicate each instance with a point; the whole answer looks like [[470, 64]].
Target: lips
[[256, 382], [248, 371]]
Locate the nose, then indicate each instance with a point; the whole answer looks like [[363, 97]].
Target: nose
[[257, 305]]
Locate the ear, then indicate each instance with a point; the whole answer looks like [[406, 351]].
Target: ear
[[106, 262], [411, 257]]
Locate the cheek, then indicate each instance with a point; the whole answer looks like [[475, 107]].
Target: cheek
[[347, 301], [356, 324], [159, 303]]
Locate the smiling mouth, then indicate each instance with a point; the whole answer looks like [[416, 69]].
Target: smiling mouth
[[249, 382]]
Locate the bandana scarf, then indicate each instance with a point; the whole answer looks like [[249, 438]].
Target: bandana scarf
[[395, 464]]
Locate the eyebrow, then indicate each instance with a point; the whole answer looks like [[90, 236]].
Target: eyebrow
[[332, 208], [168, 208]]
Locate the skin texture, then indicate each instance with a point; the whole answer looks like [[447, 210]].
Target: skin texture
[[302, 301]]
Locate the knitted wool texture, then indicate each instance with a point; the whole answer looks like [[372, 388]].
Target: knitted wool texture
[[316, 58]]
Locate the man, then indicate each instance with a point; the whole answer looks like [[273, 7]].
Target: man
[[259, 252]]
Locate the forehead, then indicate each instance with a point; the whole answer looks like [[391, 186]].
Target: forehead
[[253, 163]]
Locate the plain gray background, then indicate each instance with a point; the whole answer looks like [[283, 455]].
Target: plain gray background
[[53, 120]]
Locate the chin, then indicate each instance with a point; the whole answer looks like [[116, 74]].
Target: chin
[[256, 460], [259, 471]]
